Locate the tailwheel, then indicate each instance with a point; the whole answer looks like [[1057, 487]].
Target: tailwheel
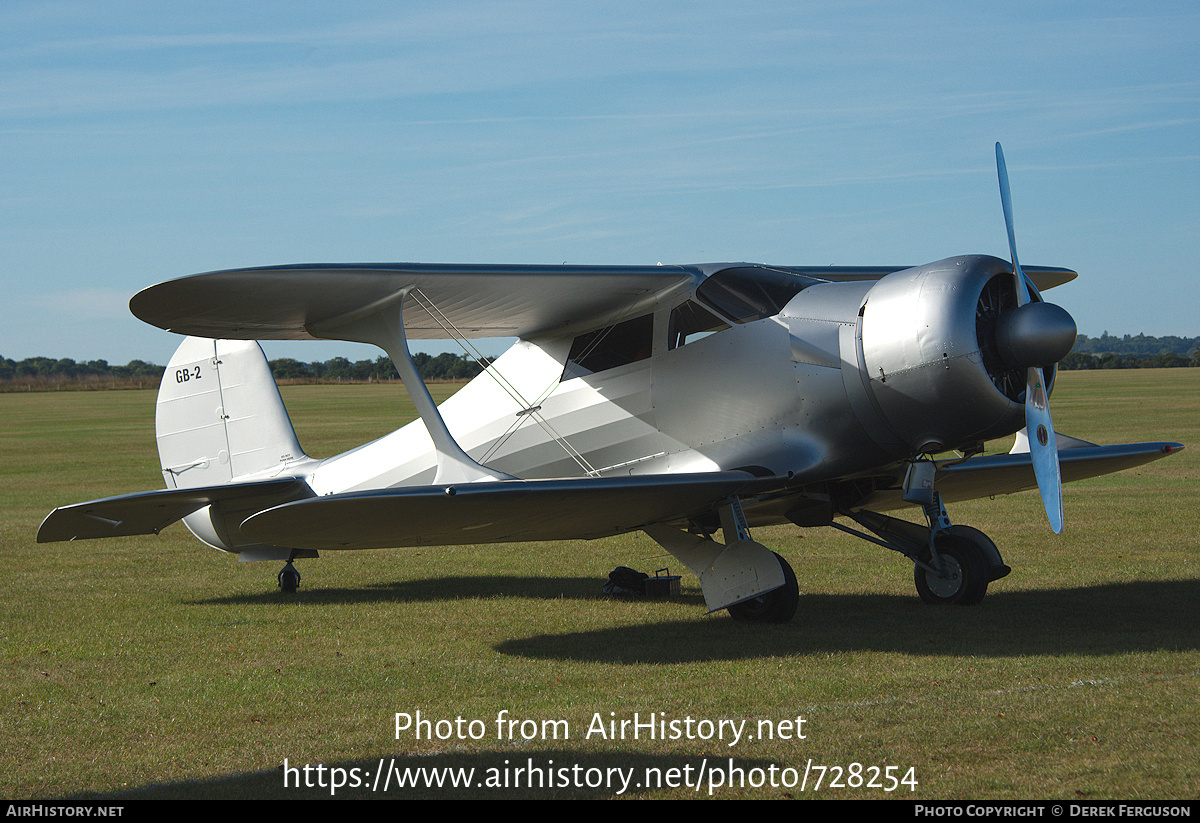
[[966, 565], [778, 606], [288, 578]]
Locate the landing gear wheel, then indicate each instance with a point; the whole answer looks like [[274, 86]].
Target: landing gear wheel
[[289, 578], [777, 606], [966, 578]]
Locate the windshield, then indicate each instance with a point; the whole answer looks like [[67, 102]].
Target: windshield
[[748, 293]]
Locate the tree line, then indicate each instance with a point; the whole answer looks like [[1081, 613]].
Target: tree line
[[1136, 344], [1168, 360], [444, 366], [41, 373], [1133, 351]]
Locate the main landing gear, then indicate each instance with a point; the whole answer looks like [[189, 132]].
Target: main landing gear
[[952, 565], [776, 606], [962, 570], [754, 583]]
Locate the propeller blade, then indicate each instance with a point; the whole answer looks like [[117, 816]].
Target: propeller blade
[[1043, 447], [1006, 202]]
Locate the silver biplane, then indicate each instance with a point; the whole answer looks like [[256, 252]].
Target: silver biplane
[[680, 401]]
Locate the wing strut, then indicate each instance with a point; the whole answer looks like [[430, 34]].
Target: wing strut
[[382, 324]]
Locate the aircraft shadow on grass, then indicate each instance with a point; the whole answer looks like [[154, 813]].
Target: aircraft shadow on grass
[[1100, 620], [440, 588], [1114, 618]]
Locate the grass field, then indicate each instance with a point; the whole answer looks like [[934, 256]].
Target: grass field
[[156, 667]]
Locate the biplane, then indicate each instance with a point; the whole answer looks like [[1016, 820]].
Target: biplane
[[688, 402]]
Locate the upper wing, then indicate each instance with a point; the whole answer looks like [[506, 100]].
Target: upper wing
[[307, 302], [1044, 277], [297, 302]]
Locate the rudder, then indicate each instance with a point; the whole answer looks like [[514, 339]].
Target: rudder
[[219, 416]]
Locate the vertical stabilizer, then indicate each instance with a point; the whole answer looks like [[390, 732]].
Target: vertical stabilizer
[[220, 417]]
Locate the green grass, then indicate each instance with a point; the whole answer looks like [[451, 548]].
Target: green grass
[[156, 667]]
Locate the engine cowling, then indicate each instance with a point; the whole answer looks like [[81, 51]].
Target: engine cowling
[[944, 350]]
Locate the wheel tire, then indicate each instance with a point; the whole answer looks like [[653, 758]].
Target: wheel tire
[[289, 579], [966, 567], [778, 606]]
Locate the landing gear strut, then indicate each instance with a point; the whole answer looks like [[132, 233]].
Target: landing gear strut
[[952, 564]]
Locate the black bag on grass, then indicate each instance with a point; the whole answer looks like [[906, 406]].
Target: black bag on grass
[[626, 581]]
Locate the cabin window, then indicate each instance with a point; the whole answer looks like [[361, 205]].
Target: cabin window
[[691, 322], [607, 348], [749, 293]]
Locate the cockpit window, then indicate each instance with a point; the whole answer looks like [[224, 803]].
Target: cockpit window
[[610, 347], [749, 293], [691, 322]]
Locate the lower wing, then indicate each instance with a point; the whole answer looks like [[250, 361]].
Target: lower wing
[[507, 511], [1009, 473]]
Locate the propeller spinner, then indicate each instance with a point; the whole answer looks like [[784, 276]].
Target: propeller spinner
[[1034, 336]]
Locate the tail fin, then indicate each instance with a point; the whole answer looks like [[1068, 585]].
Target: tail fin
[[220, 417]]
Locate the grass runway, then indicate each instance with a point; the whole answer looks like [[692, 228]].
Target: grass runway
[[157, 667]]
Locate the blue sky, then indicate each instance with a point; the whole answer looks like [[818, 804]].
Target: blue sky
[[146, 141]]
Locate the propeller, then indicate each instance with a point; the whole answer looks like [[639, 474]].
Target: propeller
[[1033, 336]]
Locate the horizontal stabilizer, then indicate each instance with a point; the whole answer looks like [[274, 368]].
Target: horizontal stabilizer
[[497, 512], [151, 512]]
